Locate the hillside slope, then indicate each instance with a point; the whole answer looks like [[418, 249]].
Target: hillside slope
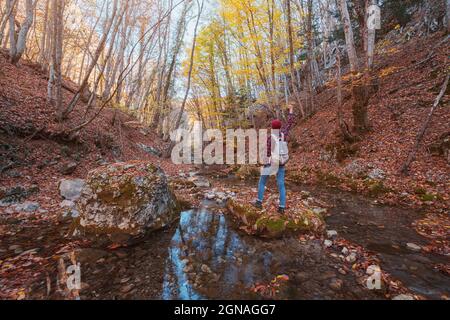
[[35, 148], [410, 76]]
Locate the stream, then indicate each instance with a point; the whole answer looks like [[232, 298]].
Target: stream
[[209, 260], [204, 256], [385, 231], [235, 262]]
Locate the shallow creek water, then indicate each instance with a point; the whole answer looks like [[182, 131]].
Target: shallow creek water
[[209, 260], [204, 256], [386, 231]]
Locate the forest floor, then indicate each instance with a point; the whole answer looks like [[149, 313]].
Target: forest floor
[[376, 218]]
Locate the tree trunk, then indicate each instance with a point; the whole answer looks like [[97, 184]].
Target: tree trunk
[[340, 116], [295, 86], [58, 29], [9, 10], [18, 48], [359, 84], [349, 38], [310, 59], [448, 16], [44, 35], [10, 4]]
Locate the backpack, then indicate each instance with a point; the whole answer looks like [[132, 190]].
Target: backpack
[[280, 155]]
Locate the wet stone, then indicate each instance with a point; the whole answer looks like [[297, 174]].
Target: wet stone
[[328, 243], [351, 258], [332, 233], [413, 247]]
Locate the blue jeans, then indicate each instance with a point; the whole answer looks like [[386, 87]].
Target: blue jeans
[[280, 183]]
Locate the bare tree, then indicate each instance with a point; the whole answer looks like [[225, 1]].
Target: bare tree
[[448, 16], [42, 53], [349, 38], [17, 48], [9, 10], [295, 86], [359, 85], [55, 78], [340, 115]]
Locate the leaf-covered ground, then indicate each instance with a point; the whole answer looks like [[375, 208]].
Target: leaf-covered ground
[[35, 149]]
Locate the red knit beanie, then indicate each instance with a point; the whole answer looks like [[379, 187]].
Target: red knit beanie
[[276, 124]]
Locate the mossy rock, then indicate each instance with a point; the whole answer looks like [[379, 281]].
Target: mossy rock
[[262, 224], [301, 222], [126, 200], [247, 214]]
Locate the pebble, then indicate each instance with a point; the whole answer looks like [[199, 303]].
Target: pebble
[[328, 243], [31, 251], [342, 271], [344, 250], [351, 258], [331, 233], [413, 247], [124, 280]]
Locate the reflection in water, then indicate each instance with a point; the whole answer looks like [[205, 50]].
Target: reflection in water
[[205, 253], [207, 259]]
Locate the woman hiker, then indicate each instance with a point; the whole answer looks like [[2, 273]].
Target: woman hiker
[[283, 132]]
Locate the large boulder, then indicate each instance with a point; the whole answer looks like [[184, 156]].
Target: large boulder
[[125, 201], [267, 225]]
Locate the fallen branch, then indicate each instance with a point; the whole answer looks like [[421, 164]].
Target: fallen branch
[[412, 154]]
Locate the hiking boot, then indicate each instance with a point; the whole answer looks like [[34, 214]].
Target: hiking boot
[[281, 210], [257, 204]]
